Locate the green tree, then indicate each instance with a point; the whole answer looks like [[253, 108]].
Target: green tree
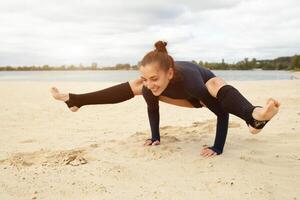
[[295, 62]]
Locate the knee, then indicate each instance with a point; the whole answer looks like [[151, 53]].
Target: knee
[[214, 84], [217, 83], [136, 86]]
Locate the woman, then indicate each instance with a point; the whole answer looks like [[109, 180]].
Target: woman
[[183, 84]]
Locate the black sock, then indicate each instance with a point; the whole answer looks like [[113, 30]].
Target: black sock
[[232, 101], [115, 94]]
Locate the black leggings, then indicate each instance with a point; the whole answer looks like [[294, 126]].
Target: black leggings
[[232, 101], [115, 94]]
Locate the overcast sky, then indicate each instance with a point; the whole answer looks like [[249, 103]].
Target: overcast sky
[[57, 32]]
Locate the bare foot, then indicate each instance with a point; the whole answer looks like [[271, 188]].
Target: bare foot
[[62, 97], [265, 113]]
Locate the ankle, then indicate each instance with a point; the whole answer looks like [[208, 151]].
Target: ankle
[[65, 97], [257, 113]]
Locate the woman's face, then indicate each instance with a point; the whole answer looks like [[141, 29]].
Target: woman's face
[[155, 79]]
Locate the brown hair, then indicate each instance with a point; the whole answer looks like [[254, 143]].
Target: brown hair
[[161, 56]]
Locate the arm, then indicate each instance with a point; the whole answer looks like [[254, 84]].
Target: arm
[[153, 116], [221, 133], [153, 113], [222, 121]]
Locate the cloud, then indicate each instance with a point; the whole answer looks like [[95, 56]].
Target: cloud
[[72, 32]]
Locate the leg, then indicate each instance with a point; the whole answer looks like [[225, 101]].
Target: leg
[[214, 85], [136, 86], [220, 138], [233, 102], [114, 94]]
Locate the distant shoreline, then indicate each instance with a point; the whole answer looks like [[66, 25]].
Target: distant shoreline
[[255, 69], [123, 75], [280, 63]]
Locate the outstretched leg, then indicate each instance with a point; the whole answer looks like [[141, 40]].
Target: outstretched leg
[[95, 97], [115, 94], [232, 101]]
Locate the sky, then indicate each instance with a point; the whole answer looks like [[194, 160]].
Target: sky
[[64, 32]]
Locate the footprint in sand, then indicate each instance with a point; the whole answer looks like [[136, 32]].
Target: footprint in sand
[[94, 145], [46, 158], [154, 152], [251, 159], [69, 157], [170, 139], [74, 159], [173, 134], [27, 141]]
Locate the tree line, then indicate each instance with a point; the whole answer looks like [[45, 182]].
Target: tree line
[[280, 63], [68, 68]]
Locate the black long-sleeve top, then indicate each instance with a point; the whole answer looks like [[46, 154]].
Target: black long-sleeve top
[[191, 87]]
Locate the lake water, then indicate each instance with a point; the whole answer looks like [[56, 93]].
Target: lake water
[[119, 76]]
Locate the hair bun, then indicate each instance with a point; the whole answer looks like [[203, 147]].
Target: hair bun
[[160, 46]]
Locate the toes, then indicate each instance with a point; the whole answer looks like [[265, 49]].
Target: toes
[[273, 101], [55, 92], [54, 89]]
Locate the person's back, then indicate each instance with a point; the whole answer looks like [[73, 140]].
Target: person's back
[[189, 68]]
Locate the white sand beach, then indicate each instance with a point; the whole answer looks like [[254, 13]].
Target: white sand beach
[[49, 152]]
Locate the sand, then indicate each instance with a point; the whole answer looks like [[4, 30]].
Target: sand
[[49, 152]]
